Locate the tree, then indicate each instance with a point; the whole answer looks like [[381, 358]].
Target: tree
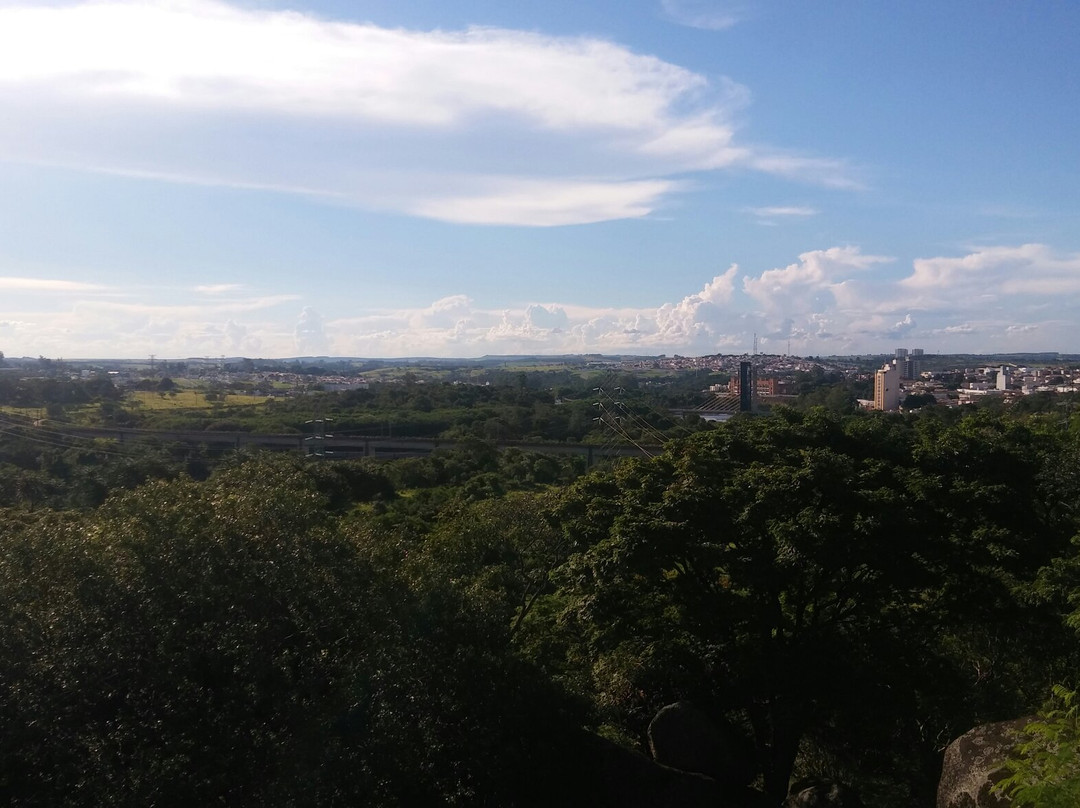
[[1044, 770], [227, 643], [792, 570], [913, 401]]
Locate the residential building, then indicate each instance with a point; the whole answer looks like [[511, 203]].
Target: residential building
[[887, 387]]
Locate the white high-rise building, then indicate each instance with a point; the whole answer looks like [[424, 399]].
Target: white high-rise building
[[887, 387], [1004, 377]]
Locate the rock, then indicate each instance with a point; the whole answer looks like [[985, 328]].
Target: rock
[[813, 792], [683, 737], [621, 778], [974, 764]]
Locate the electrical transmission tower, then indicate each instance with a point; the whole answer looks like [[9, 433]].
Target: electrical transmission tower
[[317, 440]]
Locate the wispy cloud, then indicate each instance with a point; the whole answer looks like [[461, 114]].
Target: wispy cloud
[[550, 202], [826, 171], [188, 310], [218, 288], [586, 129], [779, 211], [711, 15], [46, 285]]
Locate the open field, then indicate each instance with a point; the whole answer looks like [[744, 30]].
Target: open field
[[188, 400], [23, 412]]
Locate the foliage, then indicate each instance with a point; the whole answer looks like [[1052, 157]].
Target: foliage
[[791, 570], [1044, 769], [225, 642], [853, 590]]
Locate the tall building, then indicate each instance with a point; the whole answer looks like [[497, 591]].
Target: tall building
[[909, 362], [1004, 377], [915, 359], [887, 387]]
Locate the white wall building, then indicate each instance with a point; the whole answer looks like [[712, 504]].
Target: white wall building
[[887, 387]]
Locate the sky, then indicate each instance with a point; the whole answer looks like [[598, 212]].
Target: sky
[[459, 178]]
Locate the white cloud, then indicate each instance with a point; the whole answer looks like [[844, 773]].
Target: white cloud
[[698, 316], [795, 211], [484, 126], [218, 288], [182, 310], [238, 338], [829, 172], [46, 285], [701, 322], [208, 55], [310, 339], [835, 300], [443, 313], [994, 273], [549, 318], [710, 15], [903, 328], [813, 283], [548, 203]]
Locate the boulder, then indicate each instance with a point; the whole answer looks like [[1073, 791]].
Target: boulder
[[821, 793], [621, 778], [684, 737], [974, 763]]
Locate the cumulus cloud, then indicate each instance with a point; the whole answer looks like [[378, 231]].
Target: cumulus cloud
[[549, 318], [902, 328], [443, 313], [238, 338], [387, 119], [697, 316], [836, 300], [309, 337], [994, 272], [814, 283]]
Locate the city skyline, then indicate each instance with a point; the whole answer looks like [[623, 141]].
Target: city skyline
[[461, 179]]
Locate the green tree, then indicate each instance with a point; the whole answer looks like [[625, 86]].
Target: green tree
[[1044, 770], [227, 643], [795, 569]]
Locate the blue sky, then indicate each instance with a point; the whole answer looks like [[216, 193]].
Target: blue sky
[[278, 178]]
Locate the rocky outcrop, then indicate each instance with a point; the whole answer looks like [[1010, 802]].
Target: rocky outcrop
[[684, 737], [627, 779], [821, 793], [974, 764]]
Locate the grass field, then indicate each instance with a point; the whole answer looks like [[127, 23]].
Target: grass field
[[188, 400], [25, 412]]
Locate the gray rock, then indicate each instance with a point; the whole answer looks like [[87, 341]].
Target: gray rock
[[974, 764], [821, 793], [626, 779], [683, 737]]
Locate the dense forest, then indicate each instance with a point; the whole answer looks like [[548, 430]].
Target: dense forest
[[845, 592]]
